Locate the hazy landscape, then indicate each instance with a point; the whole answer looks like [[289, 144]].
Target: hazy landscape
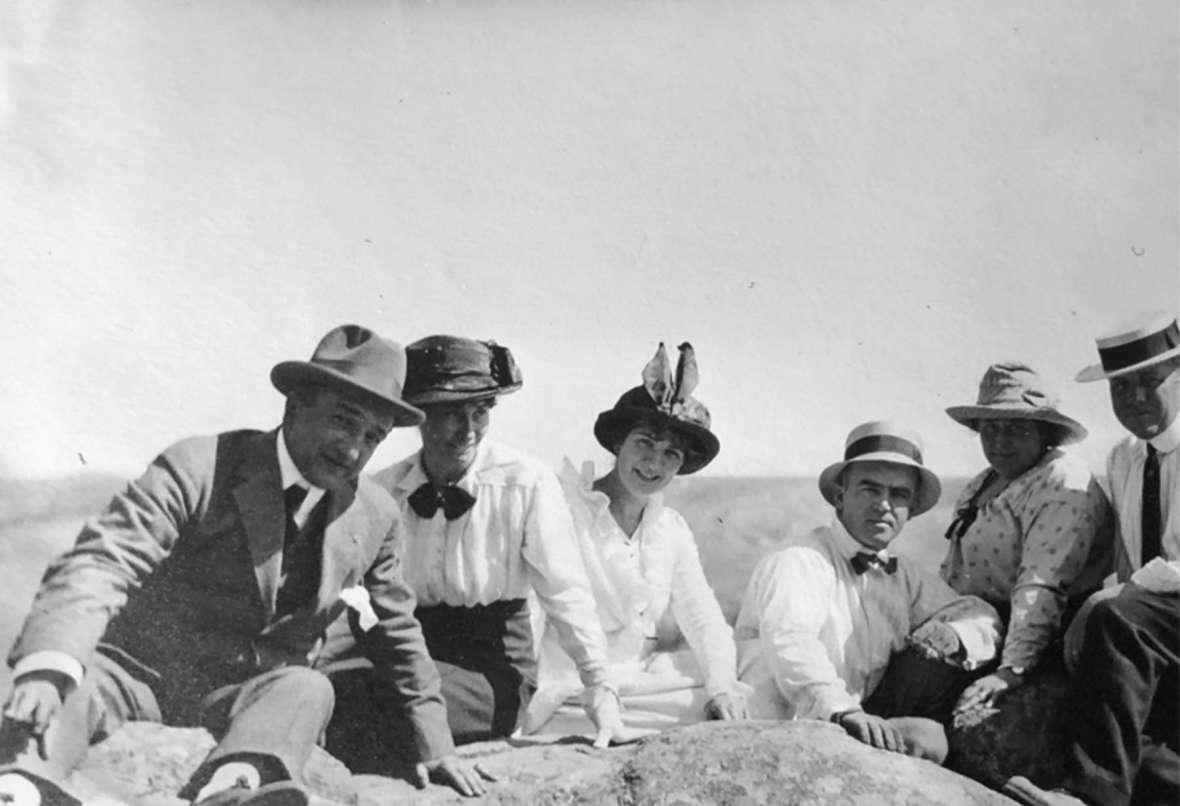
[[736, 522]]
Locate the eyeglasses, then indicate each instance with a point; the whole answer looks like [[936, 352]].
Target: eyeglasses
[[962, 522], [993, 429]]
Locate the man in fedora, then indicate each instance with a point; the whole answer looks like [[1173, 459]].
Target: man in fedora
[[834, 626], [201, 595], [1125, 719], [486, 526]]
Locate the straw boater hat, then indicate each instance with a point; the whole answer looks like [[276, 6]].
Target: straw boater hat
[[880, 441], [1011, 390], [1153, 338], [451, 369], [664, 401], [356, 359]]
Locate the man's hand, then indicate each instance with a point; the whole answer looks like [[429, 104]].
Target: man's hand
[[467, 778], [34, 703], [984, 691], [937, 640], [604, 710], [727, 706], [872, 730]]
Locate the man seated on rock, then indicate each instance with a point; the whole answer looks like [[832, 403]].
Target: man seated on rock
[[201, 596], [835, 627], [1125, 696]]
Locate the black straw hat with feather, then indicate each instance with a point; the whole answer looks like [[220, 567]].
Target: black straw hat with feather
[[664, 400]]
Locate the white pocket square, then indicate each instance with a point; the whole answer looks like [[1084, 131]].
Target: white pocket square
[[357, 597]]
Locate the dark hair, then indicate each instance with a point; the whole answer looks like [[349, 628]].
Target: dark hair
[[661, 428]]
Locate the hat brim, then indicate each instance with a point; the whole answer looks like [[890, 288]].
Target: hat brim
[[288, 375], [431, 396], [1096, 372], [929, 489], [613, 425], [971, 415]]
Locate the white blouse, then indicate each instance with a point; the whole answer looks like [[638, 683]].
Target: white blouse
[[636, 579], [516, 538]]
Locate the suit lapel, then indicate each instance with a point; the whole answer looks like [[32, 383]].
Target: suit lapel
[[259, 497], [344, 532]]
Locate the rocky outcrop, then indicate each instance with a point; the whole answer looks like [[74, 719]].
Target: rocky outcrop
[[713, 763], [1026, 737]]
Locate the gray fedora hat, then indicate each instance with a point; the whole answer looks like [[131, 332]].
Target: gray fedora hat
[[356, 359]]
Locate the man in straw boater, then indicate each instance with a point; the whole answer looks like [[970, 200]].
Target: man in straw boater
[[835, 627], [1124, 717], [201, 596], [485, 526]]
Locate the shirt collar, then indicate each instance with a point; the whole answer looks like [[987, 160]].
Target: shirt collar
[[1169, 439], [416, 477], [290, 475], [848, 545]]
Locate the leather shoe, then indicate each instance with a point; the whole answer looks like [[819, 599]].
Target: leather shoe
[[279, 793], [1022, 790], [23, 788]]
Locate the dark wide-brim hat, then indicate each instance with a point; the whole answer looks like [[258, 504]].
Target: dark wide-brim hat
[[450, 369], [1011, 390], [354, 359], [690, 421], [1151, 339], [664, 402], [881, 441]]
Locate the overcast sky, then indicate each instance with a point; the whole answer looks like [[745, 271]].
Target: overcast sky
[[850, 209]]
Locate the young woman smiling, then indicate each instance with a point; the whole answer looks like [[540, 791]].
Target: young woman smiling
[[642, 562]]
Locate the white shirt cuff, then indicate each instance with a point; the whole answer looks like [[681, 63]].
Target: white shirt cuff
[[50, 660]]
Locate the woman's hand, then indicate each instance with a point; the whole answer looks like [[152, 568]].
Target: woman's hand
[[727, 706], [984, 691]]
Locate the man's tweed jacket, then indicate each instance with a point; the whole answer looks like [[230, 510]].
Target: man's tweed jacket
[[177, 581]]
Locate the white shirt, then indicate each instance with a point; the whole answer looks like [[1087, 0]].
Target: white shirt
[[517, 537], [289, 474], [814, 637], [1124, 469], [636, 579]]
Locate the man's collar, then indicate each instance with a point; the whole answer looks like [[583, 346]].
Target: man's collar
[[1169, 439], [289, 474], [849, 545]]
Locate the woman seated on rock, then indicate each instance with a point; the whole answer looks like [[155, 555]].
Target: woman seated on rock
[[642, 560], [1032, 533]]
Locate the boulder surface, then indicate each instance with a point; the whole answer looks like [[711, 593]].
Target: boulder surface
[[713, 763]]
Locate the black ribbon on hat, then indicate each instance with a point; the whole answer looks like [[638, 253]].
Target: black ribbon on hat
[[883, 443], [504, 368], [864, 560], [426, 500]]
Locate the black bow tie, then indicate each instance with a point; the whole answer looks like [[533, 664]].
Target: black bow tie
[[454, 501], [863, 560]]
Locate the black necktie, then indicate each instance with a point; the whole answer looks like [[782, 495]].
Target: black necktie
[[454, 501], [293, 498], [1151, 505], [864, 560], [299, 577]]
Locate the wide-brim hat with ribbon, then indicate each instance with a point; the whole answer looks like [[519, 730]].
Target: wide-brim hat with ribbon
[[357, 360], [664, 401], [1152, 338], [451, 369], [881, 441], [1011, 390]]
